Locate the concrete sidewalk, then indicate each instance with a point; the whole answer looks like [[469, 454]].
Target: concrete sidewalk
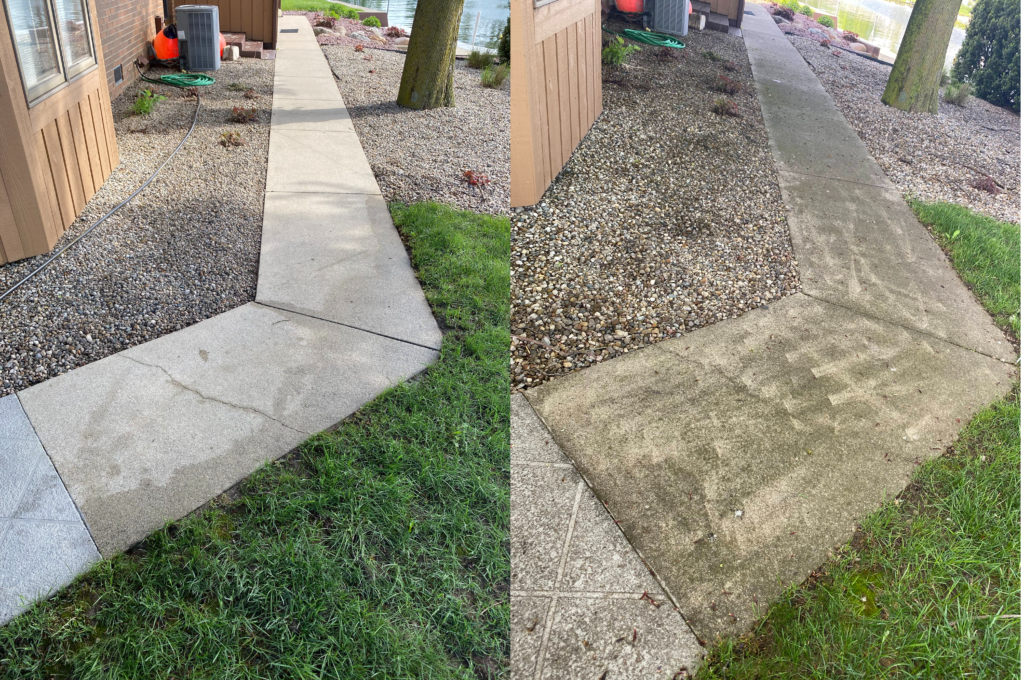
[[736, 457], [150, 434]]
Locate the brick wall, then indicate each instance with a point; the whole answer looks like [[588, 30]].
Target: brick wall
[[125, 28]]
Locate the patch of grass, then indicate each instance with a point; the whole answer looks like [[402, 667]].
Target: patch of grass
[[145, 102], [712, 56], [929, 589], [957, 93], [329, 8], [617, 52], [380, 551], [494, 76], [478, 59], [238, 87], [985, 252]]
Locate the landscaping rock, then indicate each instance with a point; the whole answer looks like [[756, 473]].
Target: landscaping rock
[[817, 33], [857, 47], [358, 35], [378, 39], [376, 31], [402, 41], [322, 30]]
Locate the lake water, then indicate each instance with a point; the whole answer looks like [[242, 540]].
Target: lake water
[[493, 15], [880, 23]]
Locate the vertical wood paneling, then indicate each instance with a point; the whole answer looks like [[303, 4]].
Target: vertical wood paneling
[[255, 18], [574, 85], [74, 115], [55, 157], [52, 226], [69, 158], [8, 228], [100, 131], [541, 121], [551, 93], [91, 142], [584, 75], [562, 54]]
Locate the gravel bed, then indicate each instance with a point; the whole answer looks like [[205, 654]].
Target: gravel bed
[[185, 249], [667, 218], [343, 29], [931, 157], [423, 155]]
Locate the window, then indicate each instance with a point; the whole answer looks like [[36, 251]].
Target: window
[[53, 41]]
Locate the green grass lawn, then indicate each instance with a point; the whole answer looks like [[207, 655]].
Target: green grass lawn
[[380, 551], [306, 5], [930, 586]]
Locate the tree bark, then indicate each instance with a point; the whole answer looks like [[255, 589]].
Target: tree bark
[[428, 76], [914, 82]]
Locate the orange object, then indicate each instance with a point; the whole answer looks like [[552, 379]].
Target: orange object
[[165, 48], [223, 44], [633, 6]]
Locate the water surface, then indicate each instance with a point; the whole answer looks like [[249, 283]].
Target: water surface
[[493, 15]]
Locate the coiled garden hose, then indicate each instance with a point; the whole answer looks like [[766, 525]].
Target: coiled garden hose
[[181, 80], [649, 38]]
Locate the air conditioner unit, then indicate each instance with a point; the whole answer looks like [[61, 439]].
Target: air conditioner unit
[[670, 16], [198, 37]]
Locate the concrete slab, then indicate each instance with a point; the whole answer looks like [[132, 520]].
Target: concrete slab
[[150, 434], [862, 248], [45, 497], [19, 459], [14, 424], [803, 418], [578, 587], [302, 87], [39, 558], [327, 254], [302, 64], [306, 161], [305, 114]]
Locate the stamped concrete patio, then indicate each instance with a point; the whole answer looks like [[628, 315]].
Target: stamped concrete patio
[[95, 460], [735, 457]]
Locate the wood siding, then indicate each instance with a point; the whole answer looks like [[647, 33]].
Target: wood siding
[[556, 89], [256, 18], [53, 156]]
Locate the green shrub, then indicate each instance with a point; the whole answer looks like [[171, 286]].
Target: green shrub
[[478, 59], [505, 43], [989, 58], [341, 12], [791, 4], [494, 76], [806, 11], [371, 21], [957, 93], [826, 22], [617, 52], [145, 102]]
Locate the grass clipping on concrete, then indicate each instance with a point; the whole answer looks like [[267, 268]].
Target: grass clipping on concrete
[[381, 550], [930, 585]]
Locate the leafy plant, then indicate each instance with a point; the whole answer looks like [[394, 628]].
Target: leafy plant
[[478, 59], [989, 57], [730, 66], [240, 114], [505, 43], [784, 12], [251, 94], [712, 56], [145, 102], [371, 21], [944, 78], [617, 52], [341, 12], [957, 93], [494, 76], [325, 21], [792, 5], [826, 22], [850, 36], [984, 184], [726, 107], [238, 87], [806, 11], [231, 139], [726, 85], [395, 32]]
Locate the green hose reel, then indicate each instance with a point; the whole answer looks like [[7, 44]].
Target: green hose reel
[[649, 38], [182, 80]]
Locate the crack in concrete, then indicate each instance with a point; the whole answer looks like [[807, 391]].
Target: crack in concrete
[[185, 387]]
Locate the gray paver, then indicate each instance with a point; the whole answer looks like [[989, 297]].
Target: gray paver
[[543, 499], [19, 459], [14, 424], [326, 254], [309, 161], [148, 435], [39, 558], [45, 497], [530, 439]]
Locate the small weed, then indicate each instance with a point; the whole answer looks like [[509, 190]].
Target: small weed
[[478, 59], [712, 56], [806, 11], [395, 32], [617, 52], [145, 102], [784, 12], [240, 114], [986, 184], [850, 36], [251, 94], [325, 21], [359, 48], [726, 107], [730, 66], [371, 21], [957, 93], [726, 85], [494, 76], [231, 139], [238, 87], [670, 53], [190, 93], [826, 43], [826, 22]]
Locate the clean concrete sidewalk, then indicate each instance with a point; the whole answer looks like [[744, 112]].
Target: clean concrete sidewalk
[[736, 457], [579, 590], [152, 433]]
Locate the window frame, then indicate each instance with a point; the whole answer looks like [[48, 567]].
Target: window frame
[[64, 76]]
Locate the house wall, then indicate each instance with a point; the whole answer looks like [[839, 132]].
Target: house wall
[[556, 88], [256, 18], [125, 27], [53, 156]]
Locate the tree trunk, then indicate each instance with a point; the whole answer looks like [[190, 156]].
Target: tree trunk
[[914, 82], [427, 79]]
